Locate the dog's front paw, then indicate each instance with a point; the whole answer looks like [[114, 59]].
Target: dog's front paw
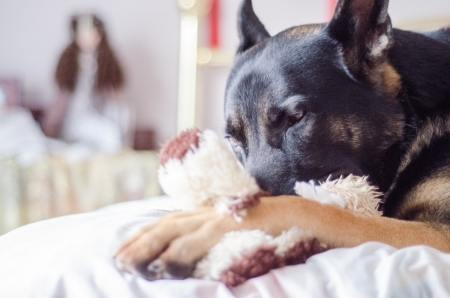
[[170, 248]]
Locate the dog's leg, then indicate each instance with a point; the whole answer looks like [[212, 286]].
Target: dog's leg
[[172, 247]]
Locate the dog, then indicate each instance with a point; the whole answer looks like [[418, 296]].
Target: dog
[[353, 96]]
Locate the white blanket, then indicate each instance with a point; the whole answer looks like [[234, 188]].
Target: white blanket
[[71, 256]]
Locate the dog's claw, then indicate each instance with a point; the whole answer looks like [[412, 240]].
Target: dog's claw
[[119, 265], [156, 269], [159, 269]]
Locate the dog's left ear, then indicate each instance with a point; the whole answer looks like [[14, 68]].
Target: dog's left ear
[[251, 30], [364, 30]]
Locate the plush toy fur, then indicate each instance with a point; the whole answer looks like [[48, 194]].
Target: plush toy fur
[[200, 167]]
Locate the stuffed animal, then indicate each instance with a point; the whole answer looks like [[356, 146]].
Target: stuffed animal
[[199, 167]]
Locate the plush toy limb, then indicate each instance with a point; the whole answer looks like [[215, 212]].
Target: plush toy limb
[[177, 147], [241, 255], [353, 193]]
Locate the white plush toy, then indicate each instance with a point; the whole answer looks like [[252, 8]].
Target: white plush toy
[[200, 167]]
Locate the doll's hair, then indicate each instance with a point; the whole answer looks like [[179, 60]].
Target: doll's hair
[[109, 73]]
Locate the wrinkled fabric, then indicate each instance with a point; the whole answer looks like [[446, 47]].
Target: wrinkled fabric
[[58, 185], [71, 256]]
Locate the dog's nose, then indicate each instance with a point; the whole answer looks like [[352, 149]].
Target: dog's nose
[[263, 183], [259, 176], [275, 185], [268, 184], [266, 175]]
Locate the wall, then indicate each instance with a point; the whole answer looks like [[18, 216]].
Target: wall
[[145, 34]]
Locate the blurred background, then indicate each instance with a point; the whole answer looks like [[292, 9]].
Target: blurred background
[[173, 57]]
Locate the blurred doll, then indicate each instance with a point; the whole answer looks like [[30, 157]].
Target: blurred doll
[[89, 108]]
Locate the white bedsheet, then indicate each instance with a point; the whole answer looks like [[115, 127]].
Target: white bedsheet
[[71, 256]]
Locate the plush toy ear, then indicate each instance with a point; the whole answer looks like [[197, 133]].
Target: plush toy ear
[[251, 30], [364, 30]]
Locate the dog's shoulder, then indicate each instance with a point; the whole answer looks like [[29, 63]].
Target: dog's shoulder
[[421, 190], [442, 35]]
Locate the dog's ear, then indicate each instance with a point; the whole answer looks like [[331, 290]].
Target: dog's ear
[[251, 30], [364, 30]]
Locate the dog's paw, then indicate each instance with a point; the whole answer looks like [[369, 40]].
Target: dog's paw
[[170, 248], [157, 269], [160, 269]]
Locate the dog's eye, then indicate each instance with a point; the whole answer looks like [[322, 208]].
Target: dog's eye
[[233, 141], [295, 118]]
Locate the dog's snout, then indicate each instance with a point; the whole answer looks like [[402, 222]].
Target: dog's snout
[[263, 183], [262, 178], [274, 185], [267, 182], [267, 175]]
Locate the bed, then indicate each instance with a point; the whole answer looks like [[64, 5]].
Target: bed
[[42, 178], [71, 256]]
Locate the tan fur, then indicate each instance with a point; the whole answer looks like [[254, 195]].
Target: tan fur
[[338, 130], [385, 77], [310, 29], [390, 80], [349, 130], [338, 227], [429, 130], [427, 200], [345, 131], [239, 124]]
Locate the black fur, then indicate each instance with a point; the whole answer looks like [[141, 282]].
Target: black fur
[[348, 97]]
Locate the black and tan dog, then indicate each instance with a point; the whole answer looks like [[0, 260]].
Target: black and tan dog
[[351, 96]]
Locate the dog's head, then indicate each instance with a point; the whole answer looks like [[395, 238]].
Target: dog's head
[[314, 100]]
